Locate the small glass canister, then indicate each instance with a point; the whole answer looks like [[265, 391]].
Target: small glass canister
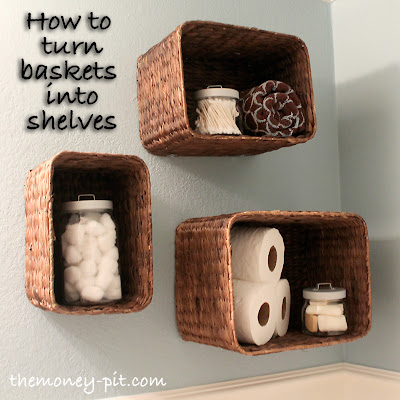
[[218, 111], [90, 253], [324, 312]]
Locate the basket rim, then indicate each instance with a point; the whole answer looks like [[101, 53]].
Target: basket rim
[[182, 26]]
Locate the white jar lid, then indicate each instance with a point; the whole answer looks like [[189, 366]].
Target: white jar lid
[[87, 205], [216, 91], [324, 291]]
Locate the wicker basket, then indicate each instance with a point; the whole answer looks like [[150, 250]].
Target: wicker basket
[[122, 179], [198, 54], [319, 247]]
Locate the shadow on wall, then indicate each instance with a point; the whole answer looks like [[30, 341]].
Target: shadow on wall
[[381, 348], [369, 134], [116, 341], [370, 172]]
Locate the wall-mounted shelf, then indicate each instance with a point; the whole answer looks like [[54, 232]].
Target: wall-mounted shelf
[[124, 180], [319, 247], [198, 54]]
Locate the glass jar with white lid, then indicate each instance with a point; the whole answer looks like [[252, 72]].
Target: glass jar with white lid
[[218, 111], [324, 311], [89, 251]]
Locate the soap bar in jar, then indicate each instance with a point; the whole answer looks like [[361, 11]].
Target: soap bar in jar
[[90, 252]]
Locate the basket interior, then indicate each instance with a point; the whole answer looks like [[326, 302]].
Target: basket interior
[[125, 183], [241, 58], [322, 250]]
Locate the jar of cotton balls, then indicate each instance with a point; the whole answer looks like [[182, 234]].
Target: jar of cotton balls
[[218, 111], [90, 253], [324, 312]]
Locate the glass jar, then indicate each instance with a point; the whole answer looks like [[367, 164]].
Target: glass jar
[[90, 253], [218, 111], [324, 312]]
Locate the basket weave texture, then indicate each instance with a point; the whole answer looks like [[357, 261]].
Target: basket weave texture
[[319, 247], [122, 179], [198, 54]]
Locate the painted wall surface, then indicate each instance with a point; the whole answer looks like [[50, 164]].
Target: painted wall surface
[[367, 66], [147, 344]]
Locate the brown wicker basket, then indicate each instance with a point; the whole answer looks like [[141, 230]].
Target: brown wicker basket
[[198, 54], [319, 247], [122, 179]]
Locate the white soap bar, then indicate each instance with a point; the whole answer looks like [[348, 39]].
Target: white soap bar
[[84, 281], [329, 323], [330, 309], [74, 234], [92, 294], [104, 279], [107, 221], [71, 294], [72, 255], [94, 228], [108, 264], [107, 241], [88, 268], [318, 303], [113, 253], [72, 274]]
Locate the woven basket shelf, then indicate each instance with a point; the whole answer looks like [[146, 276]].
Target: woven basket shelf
[[198, 54], [319, 247], [122, 179]]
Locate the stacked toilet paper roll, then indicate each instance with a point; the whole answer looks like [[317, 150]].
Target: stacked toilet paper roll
[[261, 298]]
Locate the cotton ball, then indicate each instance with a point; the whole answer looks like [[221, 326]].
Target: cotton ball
[[108, 264], [116, 283], [90, 251], [92, 294], [107, 221], [83, 282], [74, 234], [88, 267], [107, 241], [104, 279], [114, 292], [87, 242], [72, 255], [113, 254], [72, 274], [71, 294], [94, 228]]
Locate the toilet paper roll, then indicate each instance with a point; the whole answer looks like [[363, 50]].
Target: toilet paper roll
[[255, 311], [257, 254], [282, 290]]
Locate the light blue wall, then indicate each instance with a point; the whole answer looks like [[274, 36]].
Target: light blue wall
[[305, 177], [367, 62]]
